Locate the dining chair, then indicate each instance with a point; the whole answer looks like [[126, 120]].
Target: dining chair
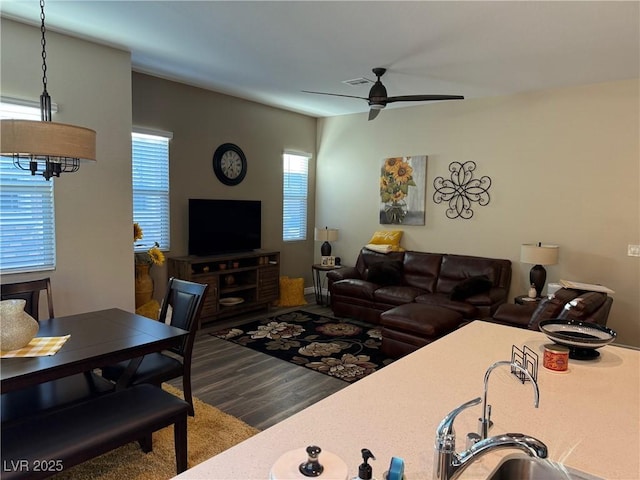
[[181, 308], [29, 291]]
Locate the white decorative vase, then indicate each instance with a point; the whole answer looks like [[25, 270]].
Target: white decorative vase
[[17, 327]]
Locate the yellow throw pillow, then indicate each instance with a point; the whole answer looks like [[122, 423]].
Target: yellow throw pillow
[[388, 237], [291, 292]]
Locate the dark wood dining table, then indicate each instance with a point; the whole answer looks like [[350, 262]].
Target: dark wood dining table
[[97, 339]]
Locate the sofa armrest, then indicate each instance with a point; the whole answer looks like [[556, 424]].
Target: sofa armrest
[[489, 301], [493, 296], [514, 315], [342, 274]]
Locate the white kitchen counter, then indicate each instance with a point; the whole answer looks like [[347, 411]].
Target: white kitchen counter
[[588, 417]]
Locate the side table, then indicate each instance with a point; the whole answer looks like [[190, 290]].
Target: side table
[[526, 300], [316, 270]]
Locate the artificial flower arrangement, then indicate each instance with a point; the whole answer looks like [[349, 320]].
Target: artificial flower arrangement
[[396, 177], [153, 256]]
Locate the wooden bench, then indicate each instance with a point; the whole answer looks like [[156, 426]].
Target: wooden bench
[[44, 444], [43, 397]]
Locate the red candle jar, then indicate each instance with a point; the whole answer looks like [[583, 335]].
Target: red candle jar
[[556, 357]]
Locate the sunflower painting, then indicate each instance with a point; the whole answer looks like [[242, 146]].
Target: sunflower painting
[[402, 190]]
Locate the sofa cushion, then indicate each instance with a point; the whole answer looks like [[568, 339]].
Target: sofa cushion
[[440, 300], [421, 270], [369, 257], [457, 268], [385, 273], [396, 294], [470, 286]]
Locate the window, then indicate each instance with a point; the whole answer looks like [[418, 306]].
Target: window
[[150, 154], [295, 188], [27, 221]]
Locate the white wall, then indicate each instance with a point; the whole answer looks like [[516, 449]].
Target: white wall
[[565, 170], [92, 86]]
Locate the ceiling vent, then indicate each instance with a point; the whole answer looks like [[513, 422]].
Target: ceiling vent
[[357, 82]]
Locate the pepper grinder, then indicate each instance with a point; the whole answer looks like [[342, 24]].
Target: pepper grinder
[[365, 472], [312, 467]]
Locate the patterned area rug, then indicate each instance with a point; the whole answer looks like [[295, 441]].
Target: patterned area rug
[[340, 348]]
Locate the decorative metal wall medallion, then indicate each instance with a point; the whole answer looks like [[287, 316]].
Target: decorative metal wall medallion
[[462, 190]]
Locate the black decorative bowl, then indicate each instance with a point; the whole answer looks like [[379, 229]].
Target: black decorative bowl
[[582, 338]]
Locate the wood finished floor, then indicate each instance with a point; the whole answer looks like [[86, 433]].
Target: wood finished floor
[[255, 387]]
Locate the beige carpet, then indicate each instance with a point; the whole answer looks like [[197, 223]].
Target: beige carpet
[[209, 433]]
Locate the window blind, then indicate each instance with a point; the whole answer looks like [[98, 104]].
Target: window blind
[[150, 170], [27, 220], [295, 192]]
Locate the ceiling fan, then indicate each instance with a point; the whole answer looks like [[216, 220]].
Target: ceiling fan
[[378, 98]]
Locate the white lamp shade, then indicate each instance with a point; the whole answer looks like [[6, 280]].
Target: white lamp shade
[[326, 234], [539, 254]]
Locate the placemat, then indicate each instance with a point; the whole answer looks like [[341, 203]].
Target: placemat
[[38, 347]]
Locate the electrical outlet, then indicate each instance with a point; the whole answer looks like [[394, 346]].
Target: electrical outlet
[[633, 250]]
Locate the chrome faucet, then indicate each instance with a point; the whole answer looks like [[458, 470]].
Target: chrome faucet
[[485, 422], [449, 465]]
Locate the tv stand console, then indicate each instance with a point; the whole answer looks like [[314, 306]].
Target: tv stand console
[[238, 282]]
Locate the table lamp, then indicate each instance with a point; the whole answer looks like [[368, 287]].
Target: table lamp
[[326, 235], [539, 255]]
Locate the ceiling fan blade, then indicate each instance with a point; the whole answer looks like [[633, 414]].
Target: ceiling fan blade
[[373, 113], [423, 98], [378, 98], [335, 95]]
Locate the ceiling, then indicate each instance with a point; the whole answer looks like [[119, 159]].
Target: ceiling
[[270, 51]]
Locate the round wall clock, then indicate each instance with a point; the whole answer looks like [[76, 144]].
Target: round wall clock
[[229, 164]]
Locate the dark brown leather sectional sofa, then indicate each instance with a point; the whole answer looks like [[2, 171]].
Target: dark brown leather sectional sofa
[[418, 297], [366, 290]]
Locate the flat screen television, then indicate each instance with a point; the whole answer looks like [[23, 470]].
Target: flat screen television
[[222, 226]]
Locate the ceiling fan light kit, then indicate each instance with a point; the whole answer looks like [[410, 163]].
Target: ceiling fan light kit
[[378, 98]]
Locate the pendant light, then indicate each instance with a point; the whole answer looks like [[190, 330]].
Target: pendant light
[[45, 147]]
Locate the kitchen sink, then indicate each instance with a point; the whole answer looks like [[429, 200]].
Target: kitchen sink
[[522, 467]]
